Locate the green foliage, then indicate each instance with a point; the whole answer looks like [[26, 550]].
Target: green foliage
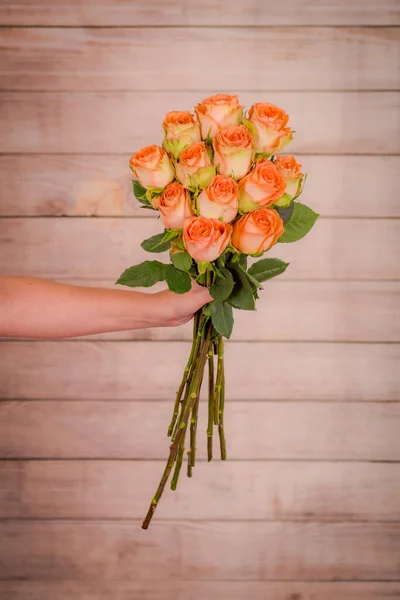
[[299, 224], [181, 260], [242, 295], [222, 317], [139, 191], [285, 212], [222, 286], [160, 242], [144, 274], [243, 261], [177, 281], [267, 268]]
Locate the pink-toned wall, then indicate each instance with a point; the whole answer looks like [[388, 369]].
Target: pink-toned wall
[[308, 505]]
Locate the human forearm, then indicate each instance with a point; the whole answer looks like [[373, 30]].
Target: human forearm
[[37, 308]]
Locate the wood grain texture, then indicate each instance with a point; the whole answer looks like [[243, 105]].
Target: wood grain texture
[[101, 249], [239, 551], [199, 590], [284, 491], [122, 122], [108, 370], [83, 185], [212, 12], [255, 430], [248, 58]]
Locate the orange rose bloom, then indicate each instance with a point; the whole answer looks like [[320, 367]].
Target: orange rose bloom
[[294, 178], [206, 239], [233, 149], [220, 199], [268, 126], [180, 130], [216, 112], [261, 187], [194, 169], [174, 205], [152, 167], [257, 231]]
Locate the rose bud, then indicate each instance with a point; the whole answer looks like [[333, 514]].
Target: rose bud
[[206, 239], [257, 231], [261, 187], [180, 130], [152, 167], [220, 199], [194, 169], [294, 178], [268, 126], [233, 149], [216, 112], [175, 206]]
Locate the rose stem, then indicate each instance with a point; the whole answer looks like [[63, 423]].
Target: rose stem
[[221, 386], [193, 431], [194, 359], [185, 375], [194, 383], [211, 403], [181, 450], [216, 392]]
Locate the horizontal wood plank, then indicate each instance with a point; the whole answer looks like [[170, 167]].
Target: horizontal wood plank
[[198, 590], [101, 249], [255, 430], [340, 311], [116, 59], [213, 12], [83, 185], [122, 122], [109, 370], [79, 550], [262, 490]]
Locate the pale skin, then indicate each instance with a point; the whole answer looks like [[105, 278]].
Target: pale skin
[[38, 308]]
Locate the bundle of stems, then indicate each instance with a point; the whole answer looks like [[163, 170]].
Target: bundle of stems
[[207, 349]]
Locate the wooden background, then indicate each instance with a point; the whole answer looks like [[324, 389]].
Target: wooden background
[[308, 505]]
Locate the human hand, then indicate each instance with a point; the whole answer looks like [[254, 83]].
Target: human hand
[[177, 309]]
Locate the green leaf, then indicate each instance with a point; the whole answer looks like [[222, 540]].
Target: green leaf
[[145, 274], [170, 234], [222, 317], [139, 191], [177, 281], [156, 243], [267, 268], [222, 287], [243, 261], [255, 285], [181, 260], [242, 295], [299, 224], [286, 212]]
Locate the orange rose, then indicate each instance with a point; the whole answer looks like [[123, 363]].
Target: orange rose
[[194, 169], [220, 199], [257, 231], [174, 205], [294, 178], [233, 149], [180, 130], [152, 167], [268, 126], [206, 239], [261, 187], [217, 112]]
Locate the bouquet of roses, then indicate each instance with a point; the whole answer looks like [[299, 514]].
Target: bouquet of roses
[[223, 194]]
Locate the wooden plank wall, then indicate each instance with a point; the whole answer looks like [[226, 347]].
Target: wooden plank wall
[[307, 507]]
